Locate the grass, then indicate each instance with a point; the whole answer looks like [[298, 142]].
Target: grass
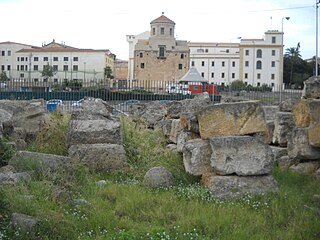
[[124, 209]]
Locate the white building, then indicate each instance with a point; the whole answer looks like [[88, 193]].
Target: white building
[[253, 61], [27, 62]]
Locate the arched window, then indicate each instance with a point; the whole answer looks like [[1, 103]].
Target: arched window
[[259, 53], [259, 65]]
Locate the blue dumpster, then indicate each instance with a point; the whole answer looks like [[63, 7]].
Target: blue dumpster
[[52, 106]]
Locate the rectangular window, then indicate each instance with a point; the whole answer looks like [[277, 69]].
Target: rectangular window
[[246, 63], [161, 51], [8, 67], [273, 39], [26, 67], [222, 64], [22, 75], [18, 67], [55, 59], [246, 75], [162, 31], [36, 59], [26, 59], [153, 31], [3, 53], [18, 59], [21, 68], [202, 63], [272, 84], [258, 76], [273, 63], [233, 75], [141, 55], [22, 59], [272, 76], [212, 75], [192, 64], [233, 64], [212, 64], [45, 59], [2, 67], [66, 59], [65, 67], [142, 65], [75, 68], [222, 75], [273, 52], [202, 74], [258, 84], [75, 59], [9, 52], [180, 66], [36, 80], [55, 67], [35, 68], [171, 31], [247, 52]]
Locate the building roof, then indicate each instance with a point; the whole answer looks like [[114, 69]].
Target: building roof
[[57, 47], [8, 42], [193, 76], [162, 19]]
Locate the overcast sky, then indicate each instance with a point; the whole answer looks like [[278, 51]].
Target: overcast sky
[[101, 24]]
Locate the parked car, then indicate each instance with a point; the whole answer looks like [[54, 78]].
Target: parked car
[[77, 103], [57, 102]]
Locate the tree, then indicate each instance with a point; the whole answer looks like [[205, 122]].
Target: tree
[[4, 77], [292, 56], [48, 71], [108, 72]]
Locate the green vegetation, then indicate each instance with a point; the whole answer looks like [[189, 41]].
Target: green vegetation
[[6, 152], [124, 209]]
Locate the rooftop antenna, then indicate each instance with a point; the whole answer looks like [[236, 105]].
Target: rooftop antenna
[[271, 23]]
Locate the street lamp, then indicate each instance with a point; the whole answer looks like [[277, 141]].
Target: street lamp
[[281, 58]]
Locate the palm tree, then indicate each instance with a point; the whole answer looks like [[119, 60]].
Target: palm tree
[[294, 56]]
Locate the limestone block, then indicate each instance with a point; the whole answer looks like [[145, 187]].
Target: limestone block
[[283, 126], [241, 118], [183, 137], [311, 88], [299, 147], [242, 155], [306, 167], [196, 156], [189, 122], [175, 130], [94, 131], [158, 177], [235, 186], [270, 112], [100, 157], [307, 115]]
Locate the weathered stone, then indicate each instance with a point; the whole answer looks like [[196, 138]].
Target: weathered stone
[[269, 134], [311, 88], [43, 162], [158, 177], [196, 156], [164, 125], [149, 113], [299, 147], [100, 157], [24, 223], [184, 136], [229, 119], [172, 147], [287, 105], [285, 162], [94, 131], [189, 122], [242, 155], [175, 130], [270, 112], [307, 115], [11, 178], [306, 167], [174, 108], [283, 126], [235, 186], [92, 109], [7, 169], [278, 152]]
